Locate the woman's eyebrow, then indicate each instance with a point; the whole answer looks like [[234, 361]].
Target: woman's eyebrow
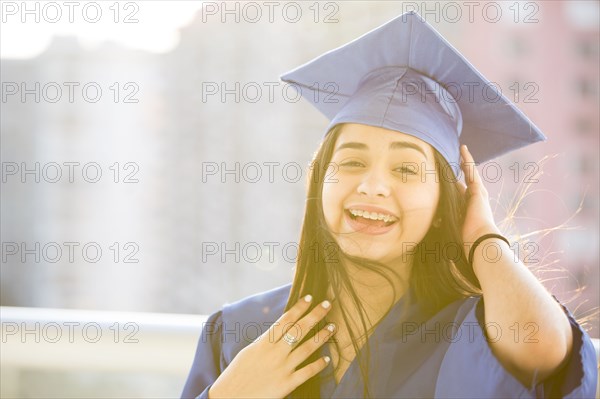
[[393, 146]]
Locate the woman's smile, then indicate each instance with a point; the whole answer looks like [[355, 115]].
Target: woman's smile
[[370, 221]]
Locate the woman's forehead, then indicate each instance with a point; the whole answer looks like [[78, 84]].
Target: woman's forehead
[[366, 134]]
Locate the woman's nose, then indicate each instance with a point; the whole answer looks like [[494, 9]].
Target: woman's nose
[[374, 185]]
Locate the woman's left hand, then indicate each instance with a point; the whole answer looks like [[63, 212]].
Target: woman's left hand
[[479, 219]]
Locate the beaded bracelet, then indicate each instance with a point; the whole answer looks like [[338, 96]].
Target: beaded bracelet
[[479, 240]]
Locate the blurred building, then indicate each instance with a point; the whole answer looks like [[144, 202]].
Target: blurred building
[[548, 65], [68, 123]]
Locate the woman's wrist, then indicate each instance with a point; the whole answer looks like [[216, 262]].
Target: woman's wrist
[[488, 249], [479, 241]]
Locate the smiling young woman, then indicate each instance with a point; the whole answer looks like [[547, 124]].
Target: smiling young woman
[[369, 272], [411, 305]]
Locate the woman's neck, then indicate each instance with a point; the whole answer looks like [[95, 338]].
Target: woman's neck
[[374, 291]]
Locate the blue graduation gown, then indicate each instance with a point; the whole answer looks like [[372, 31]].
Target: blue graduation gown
[[412, 355]]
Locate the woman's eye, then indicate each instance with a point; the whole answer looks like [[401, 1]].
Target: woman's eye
[[352, 163], [407, 170]]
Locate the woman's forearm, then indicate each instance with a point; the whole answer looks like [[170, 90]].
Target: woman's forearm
[[527, 329]]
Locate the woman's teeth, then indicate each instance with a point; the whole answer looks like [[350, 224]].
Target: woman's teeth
[[372, 215]]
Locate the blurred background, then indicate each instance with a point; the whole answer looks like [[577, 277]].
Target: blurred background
[[154, 167]]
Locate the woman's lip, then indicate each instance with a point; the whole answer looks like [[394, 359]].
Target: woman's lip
[[366, 229]]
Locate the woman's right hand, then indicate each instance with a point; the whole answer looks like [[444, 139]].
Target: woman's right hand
[[266, 368]]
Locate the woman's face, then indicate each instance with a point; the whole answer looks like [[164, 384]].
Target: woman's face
[[381, 174]]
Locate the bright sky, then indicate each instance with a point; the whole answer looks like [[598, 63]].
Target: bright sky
[[155, 31], [157, 22]]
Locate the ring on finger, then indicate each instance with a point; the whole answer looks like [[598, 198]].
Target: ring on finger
[[290, 340]]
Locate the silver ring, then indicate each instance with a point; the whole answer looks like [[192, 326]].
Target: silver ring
[[290, 340]]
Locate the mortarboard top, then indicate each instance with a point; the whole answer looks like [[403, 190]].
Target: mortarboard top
[[405, 76]]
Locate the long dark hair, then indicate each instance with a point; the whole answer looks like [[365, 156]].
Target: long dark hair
[[436, 282]]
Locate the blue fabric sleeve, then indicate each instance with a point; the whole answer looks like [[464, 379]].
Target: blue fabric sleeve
[[471, 370], [578, 378], [206, 367]]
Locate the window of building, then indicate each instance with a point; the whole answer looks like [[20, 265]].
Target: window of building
[[587, 49], [583, 125], [586, 88], [518, 46]]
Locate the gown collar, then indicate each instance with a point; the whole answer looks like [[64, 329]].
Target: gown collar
[[406, 308]]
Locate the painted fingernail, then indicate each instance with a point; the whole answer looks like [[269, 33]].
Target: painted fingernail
[[331, 327], [308, 298], [326, 304]]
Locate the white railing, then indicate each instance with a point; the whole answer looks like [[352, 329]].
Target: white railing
[[158, 346]]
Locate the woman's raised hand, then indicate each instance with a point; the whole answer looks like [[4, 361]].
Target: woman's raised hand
[[479, 218], [266, 368]]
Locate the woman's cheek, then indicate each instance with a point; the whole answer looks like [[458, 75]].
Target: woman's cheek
[[332, 210], [419, 214]]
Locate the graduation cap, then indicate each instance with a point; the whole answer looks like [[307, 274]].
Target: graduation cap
[[406, 77]]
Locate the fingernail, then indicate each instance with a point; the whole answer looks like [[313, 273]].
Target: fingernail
[[308, 298], [326, 304], [331, 327]]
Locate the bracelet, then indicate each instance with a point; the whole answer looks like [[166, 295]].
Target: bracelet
[[479, 240]]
